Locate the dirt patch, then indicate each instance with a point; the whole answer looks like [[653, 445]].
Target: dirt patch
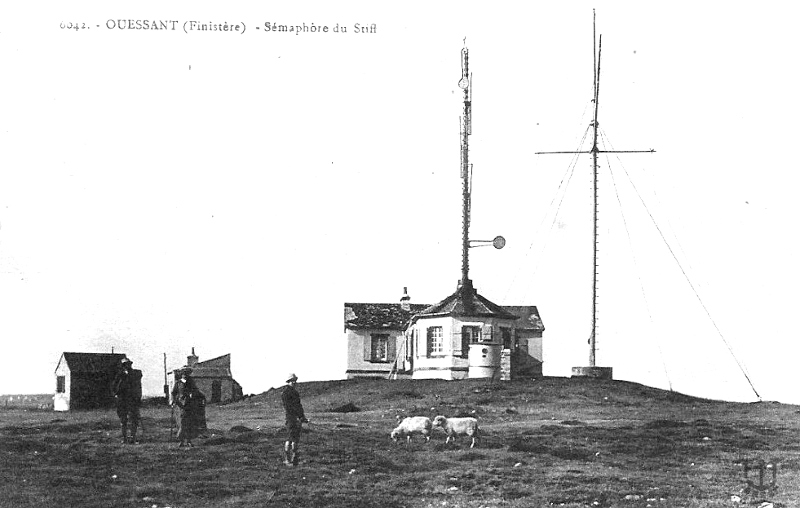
[[346, 408], [665, 424]]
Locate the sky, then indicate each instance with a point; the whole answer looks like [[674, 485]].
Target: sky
[[230, 191]]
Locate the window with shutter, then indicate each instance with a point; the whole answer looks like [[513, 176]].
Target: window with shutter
[[472, 333], [379, 350]]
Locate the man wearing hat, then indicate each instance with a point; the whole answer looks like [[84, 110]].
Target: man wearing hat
[[295, 417], [127, 389]]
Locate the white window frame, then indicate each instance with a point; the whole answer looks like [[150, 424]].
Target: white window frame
[[437, 341], [375, 340]]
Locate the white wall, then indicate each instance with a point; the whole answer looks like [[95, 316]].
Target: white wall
[[451, 364], [535, 347], [61, 400], [356, 364]]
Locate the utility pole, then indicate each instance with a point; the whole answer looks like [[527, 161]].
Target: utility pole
[[166, 384]]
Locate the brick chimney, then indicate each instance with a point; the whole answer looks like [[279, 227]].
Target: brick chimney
[[405, 300], [191, 360]]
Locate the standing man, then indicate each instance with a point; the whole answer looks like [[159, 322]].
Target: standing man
[[295, 417], [127, 389], [190, 400]]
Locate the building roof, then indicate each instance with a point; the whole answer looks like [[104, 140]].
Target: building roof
[[380, 316], [466, 302], [529, 318], [215, 367], [92, 362], [219, 367]]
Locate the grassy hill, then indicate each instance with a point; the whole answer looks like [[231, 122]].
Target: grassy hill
[[552, 442]]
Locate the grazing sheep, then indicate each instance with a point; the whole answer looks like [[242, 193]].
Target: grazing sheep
[[413, 425], [467, 426]]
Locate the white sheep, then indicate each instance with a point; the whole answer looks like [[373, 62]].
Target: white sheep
[[467, 426], [413, 425]]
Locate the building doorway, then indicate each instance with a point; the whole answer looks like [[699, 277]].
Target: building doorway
[[216, 391]]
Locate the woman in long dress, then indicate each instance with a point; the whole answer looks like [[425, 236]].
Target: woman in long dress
[[190, 401]]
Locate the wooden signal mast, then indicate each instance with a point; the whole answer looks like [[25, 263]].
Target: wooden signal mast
[[593, 370]]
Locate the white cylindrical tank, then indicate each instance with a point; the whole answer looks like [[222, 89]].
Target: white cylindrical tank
[[484, 361]]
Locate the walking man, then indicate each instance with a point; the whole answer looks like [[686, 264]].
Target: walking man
[[127, 389], [295, 417]]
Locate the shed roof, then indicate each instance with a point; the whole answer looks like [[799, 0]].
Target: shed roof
[[528, 317], [380, 316], [92, 362]]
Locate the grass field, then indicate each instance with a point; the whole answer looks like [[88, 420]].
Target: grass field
[[552, 442], [38, 401]]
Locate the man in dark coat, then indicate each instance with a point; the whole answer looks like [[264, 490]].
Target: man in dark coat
[[295, 417], [127, 389], [191, 401]]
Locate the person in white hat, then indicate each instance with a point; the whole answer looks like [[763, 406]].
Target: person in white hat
[[295, 417]]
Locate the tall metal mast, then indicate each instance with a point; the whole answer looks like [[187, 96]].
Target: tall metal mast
[[596, 52], [465, 84], [466, 130]]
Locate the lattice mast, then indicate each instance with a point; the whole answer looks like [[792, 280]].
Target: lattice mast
[[466, 169]]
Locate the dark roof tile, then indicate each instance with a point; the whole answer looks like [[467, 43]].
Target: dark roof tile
[[528, 316], [467, 302], [93, 362], [384, 316]]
